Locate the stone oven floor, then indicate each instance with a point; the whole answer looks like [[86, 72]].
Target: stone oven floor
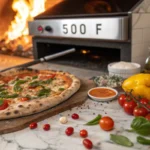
[[9, 61]]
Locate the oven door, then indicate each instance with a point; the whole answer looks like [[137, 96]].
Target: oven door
[[106, 28]]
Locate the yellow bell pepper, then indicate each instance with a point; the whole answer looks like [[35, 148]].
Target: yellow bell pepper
[[139, 83]]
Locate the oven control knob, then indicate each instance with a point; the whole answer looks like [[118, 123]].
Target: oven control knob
[[48, 28]]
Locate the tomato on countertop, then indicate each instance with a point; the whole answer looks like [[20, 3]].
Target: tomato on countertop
[[144, 101], [121, 99], [140, 111], [106, 123], [147, 117], [69, 131], [129, 107], [33, 125], [88, 143], [75, 116], [83, 133], [46, 127]]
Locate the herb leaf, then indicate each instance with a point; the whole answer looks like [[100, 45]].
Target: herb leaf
[[39, 83], [94, 121], [34, 77], [17, 87], [5, 94], [141, 126], [143, 140], [44, 92], [1, 102], [47, 81], [2, 87], [61, 89], [35, 84], [121, 140]]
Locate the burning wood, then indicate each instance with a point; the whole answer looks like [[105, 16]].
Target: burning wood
[[16, 40]]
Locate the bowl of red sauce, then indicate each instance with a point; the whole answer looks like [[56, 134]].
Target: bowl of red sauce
[[102, 93]]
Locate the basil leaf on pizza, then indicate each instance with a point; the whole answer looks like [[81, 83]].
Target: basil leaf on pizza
[[61, 89], [17, 86], [1, 102], [35, 84], [44, 92], [34, 77], [47, 81], [29, 91]]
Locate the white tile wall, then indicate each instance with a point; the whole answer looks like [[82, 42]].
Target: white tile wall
[[141, 33], [146, 35], [137, 36], [141, 21]]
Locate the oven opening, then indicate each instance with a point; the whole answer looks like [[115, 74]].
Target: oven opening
[[93, 58]]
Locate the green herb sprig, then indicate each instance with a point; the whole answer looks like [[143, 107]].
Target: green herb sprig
[[94, 121], [121, 140]]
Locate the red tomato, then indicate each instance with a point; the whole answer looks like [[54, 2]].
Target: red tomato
[[87, 143], [106, 123], [7, 79], [140, 111], [47, 76], [4, 105], [147, 117], [148, 106], [121, 99], [83, 133], [129, 107], [69, 131], [33, 125], [75, 116], [46, 127], [144, 101], [24, 99]]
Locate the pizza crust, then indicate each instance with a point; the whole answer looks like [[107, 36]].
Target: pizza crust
[[39, 104]]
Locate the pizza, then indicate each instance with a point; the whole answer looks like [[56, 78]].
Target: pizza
[[27, 91]]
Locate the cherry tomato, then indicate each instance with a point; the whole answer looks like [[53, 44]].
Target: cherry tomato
[[106, 123], [140, 111], [87, 143], [147, 117], [144, 101], [122, 99], [69, 131], [46, 127], [129, 107], [83, 133], [33, 125], [148, 106], [24, 99], [4, 105], [75, 116]]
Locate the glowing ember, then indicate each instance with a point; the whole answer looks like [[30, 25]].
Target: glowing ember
[[25, 11], [16, 40]]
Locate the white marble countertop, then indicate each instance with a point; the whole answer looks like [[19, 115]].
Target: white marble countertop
[[56, 139]]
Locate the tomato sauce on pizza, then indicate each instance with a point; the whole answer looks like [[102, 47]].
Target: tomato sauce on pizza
[[31, 86]]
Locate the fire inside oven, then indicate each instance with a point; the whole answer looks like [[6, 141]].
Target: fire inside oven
[[94, 58]]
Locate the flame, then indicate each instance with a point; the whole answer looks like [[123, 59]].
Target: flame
[[25, 11]]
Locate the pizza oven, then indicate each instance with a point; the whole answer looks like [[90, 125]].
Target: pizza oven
[[101, 31]]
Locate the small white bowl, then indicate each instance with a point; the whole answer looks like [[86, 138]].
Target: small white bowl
[[102, 99], [124, 72]]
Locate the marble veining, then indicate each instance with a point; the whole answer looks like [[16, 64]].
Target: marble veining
[[56, 139]]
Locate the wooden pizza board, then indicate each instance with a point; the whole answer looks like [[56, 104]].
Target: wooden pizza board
[[12, 125]]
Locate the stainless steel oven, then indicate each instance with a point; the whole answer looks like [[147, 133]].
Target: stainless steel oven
[[102, 26]]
